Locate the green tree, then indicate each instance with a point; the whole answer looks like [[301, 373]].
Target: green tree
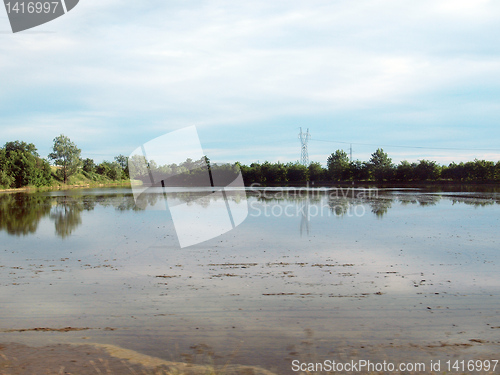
[[88, 165], [6, 179], [483, 170], [66, 155], [252, 174], [427, 170], [359, 170], [381, 166], [138, 167], [296, 172], [111, 170], [338, 165], [23, 147], [316, 171], [273, 172], [455, 172], [405, 171], [123, 161], [21, 165]]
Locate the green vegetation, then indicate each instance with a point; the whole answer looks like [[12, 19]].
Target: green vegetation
[[188, 173], [338, 166], [67, 156], [378, 169], [21, 166]]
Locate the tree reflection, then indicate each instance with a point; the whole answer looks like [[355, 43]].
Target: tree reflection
[[67, 216], [21, 213], [380, 206], [339, 206]]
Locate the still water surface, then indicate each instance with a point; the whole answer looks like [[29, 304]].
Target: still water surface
[[311, 274]]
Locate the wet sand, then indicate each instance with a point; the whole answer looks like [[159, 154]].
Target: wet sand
[[94, 359]]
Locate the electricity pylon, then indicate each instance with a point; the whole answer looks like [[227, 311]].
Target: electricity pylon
[[304, 138]]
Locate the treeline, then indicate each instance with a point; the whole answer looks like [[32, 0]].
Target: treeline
[[279, 173], [200, 173], [21, 166], [379, 169]]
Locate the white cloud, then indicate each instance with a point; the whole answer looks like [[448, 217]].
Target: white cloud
[[464, 8], [220, 62]]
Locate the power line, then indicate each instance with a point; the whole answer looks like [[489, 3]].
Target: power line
[[419, 147], [304, 138]]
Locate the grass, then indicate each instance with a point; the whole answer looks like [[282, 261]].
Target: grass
[[84, 179], [79, 180]]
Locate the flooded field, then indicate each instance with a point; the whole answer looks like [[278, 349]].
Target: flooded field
[[402, 275]]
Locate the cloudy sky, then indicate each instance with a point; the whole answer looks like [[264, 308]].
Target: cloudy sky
[[421, 79]]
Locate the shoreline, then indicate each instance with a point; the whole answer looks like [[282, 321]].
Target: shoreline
[[323, 184], [29, 189], [386, 184], [94, 358]]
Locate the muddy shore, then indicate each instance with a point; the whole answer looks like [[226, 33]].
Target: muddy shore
[[91, 359]]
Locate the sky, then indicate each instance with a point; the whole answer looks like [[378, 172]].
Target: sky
[[420, 79]]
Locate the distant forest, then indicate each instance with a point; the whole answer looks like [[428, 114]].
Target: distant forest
[[378, 169], [22, 166]]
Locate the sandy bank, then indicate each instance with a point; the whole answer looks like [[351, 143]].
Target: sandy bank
[[100, 359]]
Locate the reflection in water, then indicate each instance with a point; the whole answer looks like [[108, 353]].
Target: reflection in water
[[304, 221], [66, 215], [380, 206], [20, 213], [482, 203], [339, 206]]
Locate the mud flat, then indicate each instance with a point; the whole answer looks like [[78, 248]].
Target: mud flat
[[97, 358], [100, 359]]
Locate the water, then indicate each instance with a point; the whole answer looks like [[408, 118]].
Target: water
[[311, 274]]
